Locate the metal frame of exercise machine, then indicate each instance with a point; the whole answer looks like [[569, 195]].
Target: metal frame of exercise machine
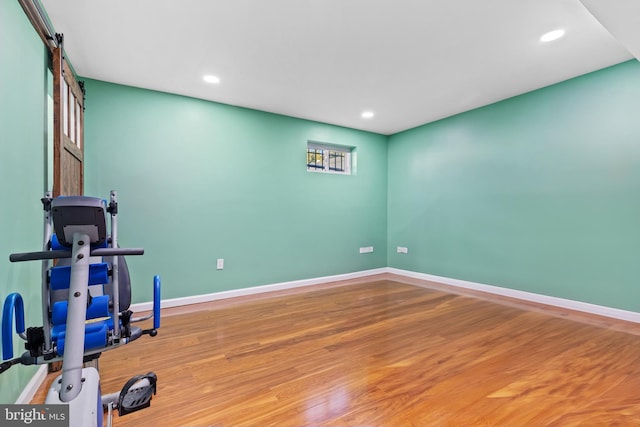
[[84, 309]]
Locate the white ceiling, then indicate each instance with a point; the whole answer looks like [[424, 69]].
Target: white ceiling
[[409, 61]]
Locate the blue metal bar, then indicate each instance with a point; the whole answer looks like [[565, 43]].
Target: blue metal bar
[[156, 302], [12, 305]]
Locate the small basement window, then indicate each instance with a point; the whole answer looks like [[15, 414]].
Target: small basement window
[[329, 158]]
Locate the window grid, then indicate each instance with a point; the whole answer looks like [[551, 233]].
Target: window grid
[[315, 158], [329, 158], [336, 161]]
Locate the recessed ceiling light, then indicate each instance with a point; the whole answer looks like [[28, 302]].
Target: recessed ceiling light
[[211, 79], [552, 35], [368, 115]]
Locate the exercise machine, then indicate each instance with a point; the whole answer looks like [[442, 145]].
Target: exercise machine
[[86, 296]]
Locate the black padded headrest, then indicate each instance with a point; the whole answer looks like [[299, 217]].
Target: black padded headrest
[[79, 213]]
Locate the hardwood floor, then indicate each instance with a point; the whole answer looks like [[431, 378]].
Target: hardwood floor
[[381, 353]]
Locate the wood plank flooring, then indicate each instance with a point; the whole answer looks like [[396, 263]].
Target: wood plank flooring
[[381, 353]]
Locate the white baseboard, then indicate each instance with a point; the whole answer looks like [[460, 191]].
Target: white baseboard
[[32, 387], [631, 316], [176, 302], [615, 313]]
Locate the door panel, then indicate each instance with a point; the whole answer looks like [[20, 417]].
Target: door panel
[[68, 135], [71, 173]]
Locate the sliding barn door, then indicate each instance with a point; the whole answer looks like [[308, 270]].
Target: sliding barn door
[[68, 128]]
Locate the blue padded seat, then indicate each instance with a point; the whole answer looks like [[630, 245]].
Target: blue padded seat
[[95, 332], [60, 276], [98, 308], [99, 313], [95, 336]]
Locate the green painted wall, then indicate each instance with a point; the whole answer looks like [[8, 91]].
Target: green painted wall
[[199, 181], [539, 193], [23, 77]]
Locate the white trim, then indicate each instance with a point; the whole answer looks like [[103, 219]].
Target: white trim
[[615, 313], [631, 316], [32, 386], [327, 148], [330, 147], [176, 302]]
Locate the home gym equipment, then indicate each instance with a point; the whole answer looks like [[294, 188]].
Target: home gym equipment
[[85, 309]]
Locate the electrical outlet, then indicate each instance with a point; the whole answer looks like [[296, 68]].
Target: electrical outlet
[[366, 249], [220, 264], [402, 250]]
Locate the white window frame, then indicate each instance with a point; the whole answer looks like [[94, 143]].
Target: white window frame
[[330, 151]]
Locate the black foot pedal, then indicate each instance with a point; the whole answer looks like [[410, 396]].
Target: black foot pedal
[[137, 393]]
